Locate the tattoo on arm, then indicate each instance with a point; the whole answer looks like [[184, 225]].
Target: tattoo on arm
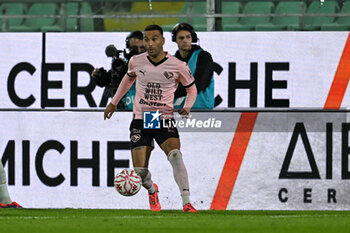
[[138, 148]]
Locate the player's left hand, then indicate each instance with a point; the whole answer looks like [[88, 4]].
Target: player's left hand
[[183, 112], [110, 109]]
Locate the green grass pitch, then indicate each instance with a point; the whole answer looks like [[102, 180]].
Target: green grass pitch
[[103, 221]]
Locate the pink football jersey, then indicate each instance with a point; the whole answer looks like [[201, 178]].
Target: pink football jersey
[[156, 83]]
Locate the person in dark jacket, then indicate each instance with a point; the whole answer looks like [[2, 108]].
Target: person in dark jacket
[[200, 63]]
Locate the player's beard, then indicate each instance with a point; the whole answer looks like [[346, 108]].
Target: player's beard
[[153, 52]]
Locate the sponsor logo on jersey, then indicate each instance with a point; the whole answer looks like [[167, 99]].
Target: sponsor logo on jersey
[[142, 72]]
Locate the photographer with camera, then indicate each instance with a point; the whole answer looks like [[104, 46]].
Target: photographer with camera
[[111, 79]]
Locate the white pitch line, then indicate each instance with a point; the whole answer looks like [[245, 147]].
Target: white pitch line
[[303, 215], [81, 217], [150, 216]]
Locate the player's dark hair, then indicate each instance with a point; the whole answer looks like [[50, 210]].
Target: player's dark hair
[[133, 34], [154, 27], [183, 27]]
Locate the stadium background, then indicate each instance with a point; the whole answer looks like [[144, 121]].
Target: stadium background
[[313, 78]]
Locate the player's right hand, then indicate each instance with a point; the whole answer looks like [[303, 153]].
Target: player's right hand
[[110, 109], [183, 112]]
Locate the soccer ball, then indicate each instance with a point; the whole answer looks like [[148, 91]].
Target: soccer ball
[[127, 182]]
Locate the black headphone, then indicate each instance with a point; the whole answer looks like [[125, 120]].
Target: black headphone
[[133, 34], [184, 27]]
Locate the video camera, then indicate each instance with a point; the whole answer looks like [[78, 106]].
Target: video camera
[[118, 69]]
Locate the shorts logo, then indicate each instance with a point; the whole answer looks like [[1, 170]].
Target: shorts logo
[[135, 131], [151, 120], [134, 138], [171, 131]]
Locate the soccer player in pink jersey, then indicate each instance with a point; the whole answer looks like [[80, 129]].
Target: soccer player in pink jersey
[[157, 76]]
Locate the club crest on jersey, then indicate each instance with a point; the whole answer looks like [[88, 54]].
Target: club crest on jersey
[[168, 75], [190, 72]]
